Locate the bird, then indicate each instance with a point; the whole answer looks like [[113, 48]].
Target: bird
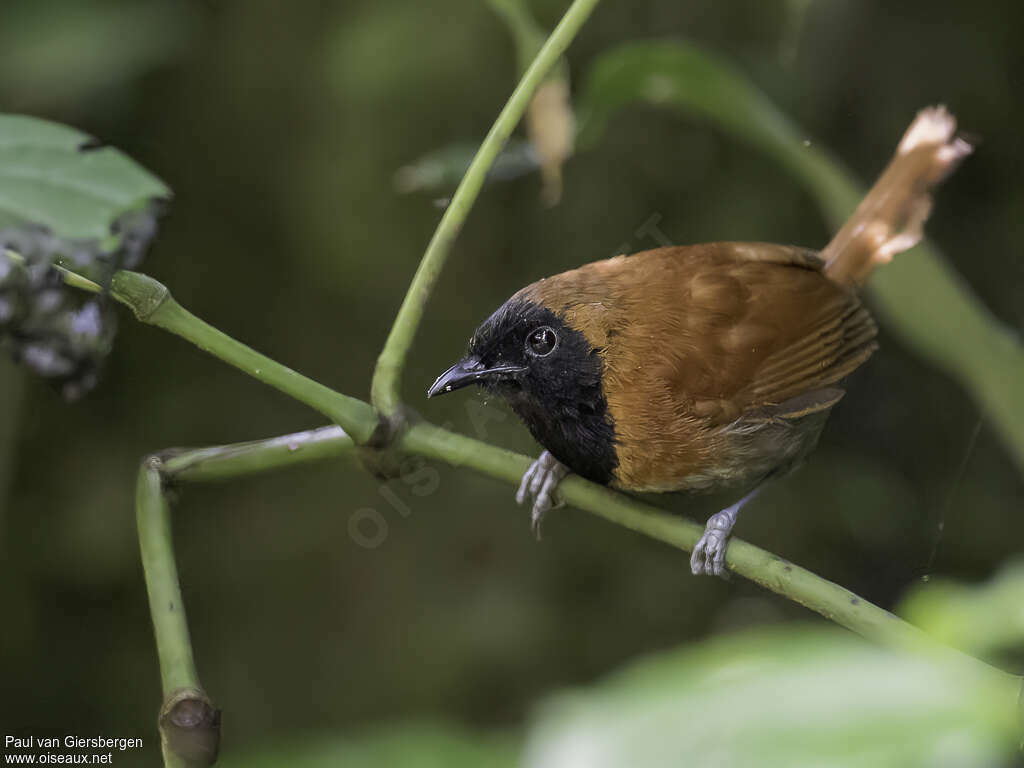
[[700, 367]]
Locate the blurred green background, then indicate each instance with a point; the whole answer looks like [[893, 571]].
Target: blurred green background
[[280, 127]]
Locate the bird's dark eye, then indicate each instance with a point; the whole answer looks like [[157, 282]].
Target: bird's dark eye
[[542, 341]]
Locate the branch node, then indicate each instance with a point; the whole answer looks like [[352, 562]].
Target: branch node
[[379, 455], [189, 728], [140, 292]]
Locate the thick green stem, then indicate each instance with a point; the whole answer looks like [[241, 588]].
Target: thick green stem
[[387, 375], [177, 668], [189, 724]]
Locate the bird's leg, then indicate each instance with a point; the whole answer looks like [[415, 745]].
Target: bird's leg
[[709, 554], [539, 483]]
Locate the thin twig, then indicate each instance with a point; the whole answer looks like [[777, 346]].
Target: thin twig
[[387, 375], [224, 462]]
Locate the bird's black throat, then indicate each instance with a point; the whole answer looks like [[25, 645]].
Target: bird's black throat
[[560, 398]]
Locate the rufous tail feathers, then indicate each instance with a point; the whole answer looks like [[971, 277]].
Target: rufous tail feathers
[[890, 219]]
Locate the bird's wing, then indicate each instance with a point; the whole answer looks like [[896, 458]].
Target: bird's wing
[[787, 333]]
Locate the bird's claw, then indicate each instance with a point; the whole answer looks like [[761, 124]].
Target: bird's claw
[[709, 554], [539, 484]]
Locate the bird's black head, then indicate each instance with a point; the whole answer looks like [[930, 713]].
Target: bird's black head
[[552, 378]]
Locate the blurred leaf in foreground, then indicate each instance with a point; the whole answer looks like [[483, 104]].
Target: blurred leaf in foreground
[[978, 619], [65, 202], [413, 745], [787, 697]]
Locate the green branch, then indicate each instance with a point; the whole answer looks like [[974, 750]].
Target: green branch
[[832, 601], [224, 462], [189, 724], [764, 568], [387, 375]]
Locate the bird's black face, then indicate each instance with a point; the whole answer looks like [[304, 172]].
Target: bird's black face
[[550, 375], [523, 349]]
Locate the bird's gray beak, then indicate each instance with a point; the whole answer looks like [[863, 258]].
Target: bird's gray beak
[[466, 372]]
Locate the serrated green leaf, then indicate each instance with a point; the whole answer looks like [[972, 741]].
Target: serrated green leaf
[[787, 697], [50, 177]]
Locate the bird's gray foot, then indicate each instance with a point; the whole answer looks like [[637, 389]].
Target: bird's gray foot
[[709, 554], [539, 484]]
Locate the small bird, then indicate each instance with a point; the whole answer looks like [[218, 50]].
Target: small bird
[[700, 367]]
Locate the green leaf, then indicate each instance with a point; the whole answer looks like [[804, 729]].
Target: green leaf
[[977, 619], [786, 697], [51, 177], [919, 296], [443, 168], [683, 77], [412, 745]]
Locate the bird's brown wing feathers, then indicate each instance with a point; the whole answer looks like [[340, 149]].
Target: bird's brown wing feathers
[[789, 332], [725, 327]]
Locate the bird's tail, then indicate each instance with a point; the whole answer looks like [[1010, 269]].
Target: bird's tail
[[890, 219]]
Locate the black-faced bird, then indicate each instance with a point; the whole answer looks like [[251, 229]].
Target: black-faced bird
[[698, 367]]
